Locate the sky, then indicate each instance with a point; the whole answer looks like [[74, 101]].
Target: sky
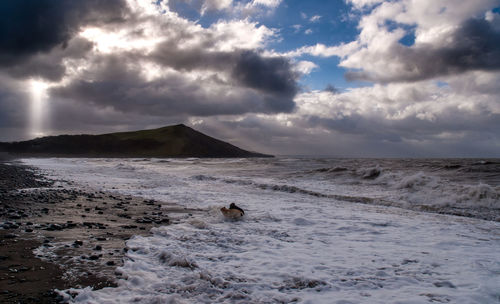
[[341, 78]]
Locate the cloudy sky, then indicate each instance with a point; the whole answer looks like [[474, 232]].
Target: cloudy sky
[[347, 78]]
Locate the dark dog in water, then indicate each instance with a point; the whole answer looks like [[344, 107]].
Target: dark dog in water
[[233, 206], [233, 212]]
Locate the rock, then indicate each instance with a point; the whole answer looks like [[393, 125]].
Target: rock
[[110, 263], [144, 220], [162, 221], [9, 225], [129, 226], [54, 227], [98, 247]]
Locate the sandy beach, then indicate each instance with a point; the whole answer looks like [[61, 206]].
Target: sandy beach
[[88, 229]]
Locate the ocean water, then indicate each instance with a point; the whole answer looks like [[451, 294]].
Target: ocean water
[[315, 230]]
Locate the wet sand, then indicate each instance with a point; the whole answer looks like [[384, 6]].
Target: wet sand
[[56, 236]]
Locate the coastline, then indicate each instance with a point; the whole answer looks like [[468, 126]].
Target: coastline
[[57, 237], [333, 248]]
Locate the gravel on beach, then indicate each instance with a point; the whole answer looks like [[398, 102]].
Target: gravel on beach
[[56, 236]]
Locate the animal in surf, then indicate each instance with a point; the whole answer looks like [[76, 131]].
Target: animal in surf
[[233, 212]]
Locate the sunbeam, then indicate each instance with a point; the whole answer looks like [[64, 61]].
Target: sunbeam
[[37, 117]]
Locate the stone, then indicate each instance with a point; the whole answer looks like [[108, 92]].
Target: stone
[[94, 257]]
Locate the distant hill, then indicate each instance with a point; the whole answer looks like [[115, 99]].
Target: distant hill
[[171, 141]]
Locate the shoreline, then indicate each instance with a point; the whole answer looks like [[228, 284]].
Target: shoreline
[[62, 237], [381, 248]]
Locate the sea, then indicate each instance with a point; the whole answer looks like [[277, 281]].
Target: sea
[[315, 230]]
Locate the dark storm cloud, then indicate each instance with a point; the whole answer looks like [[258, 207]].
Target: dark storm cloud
[[475, 46], [13, 108], [37, 38], [50, 65], [33, 27], [271, 75], [74, 117], [251, 82], [123, 88], [249, 68]]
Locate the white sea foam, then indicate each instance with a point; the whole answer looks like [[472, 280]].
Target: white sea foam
[[292, 245], [416, 182]]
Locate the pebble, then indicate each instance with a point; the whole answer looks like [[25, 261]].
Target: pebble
[[54, 227], [39, 202]]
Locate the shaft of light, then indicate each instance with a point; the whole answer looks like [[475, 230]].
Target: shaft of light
[[38, 98]]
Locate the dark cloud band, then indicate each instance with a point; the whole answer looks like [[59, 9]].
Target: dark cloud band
[[475, 45], [33, 27]]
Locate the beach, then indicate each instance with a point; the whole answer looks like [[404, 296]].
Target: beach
[[94, 227], [148, 230]]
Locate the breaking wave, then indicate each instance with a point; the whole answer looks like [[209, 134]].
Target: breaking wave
[[419, 191]]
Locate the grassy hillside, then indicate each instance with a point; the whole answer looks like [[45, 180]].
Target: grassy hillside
[[171, 141]]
